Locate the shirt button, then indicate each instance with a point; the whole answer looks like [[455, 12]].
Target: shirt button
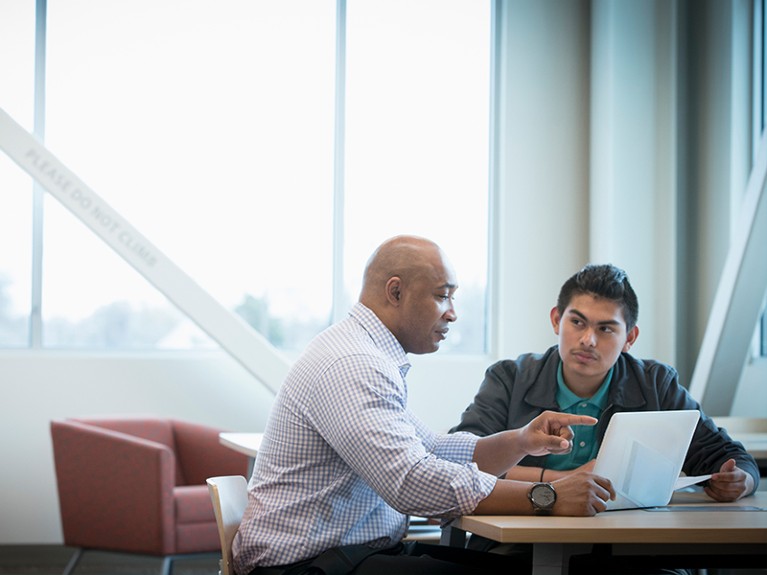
[[584, 404], [582, 444]]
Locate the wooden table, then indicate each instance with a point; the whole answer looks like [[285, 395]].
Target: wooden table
[[692, 524], [751, 432], [247, 443]]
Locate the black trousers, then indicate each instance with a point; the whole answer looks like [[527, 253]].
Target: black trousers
[[415, 558], [409, 558]]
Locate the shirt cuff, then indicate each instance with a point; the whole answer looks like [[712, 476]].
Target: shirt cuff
[[457, 447]]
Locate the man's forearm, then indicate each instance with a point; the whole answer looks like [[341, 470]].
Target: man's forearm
[[497, 453], [508, 498]]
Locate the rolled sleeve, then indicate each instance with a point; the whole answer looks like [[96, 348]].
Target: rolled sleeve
[[472, 489], [458, 447], [447, 483], [472, 485]]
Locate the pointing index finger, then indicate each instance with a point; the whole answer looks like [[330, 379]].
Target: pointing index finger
[[580, 420]]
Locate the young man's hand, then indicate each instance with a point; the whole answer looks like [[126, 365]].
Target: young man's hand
[[730, 483]]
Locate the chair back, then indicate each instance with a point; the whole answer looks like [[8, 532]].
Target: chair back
[[229, 494]]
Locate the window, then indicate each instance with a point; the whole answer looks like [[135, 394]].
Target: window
[[417, 140], [17, 65], [210, 126], [15, 268]]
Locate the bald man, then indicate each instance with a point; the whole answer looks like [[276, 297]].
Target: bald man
[[344, 462]]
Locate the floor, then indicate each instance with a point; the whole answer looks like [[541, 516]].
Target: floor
[[56, 559]]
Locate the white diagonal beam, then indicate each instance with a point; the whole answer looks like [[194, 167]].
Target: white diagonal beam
[[235, 336], [737, 302]]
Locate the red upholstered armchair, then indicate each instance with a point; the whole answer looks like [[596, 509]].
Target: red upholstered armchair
[[138, 484]]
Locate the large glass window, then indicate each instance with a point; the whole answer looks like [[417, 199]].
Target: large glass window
[[417, 139], [210, 126], [15, 265], [17, 57]]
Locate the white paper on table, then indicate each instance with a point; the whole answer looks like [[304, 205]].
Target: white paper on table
[[685, 481]]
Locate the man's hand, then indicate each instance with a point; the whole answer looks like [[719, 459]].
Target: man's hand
[[550, 432], [730, 483], [582, 493]]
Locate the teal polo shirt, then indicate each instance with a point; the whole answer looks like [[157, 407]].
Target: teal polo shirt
[[584, 442]]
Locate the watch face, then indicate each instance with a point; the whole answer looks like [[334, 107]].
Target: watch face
[[543, 496]]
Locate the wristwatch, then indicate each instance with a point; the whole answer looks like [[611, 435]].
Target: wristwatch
[[543, 497]]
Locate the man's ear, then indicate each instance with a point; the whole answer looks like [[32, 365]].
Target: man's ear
[[631, 337], [394, 290], [555, 319]]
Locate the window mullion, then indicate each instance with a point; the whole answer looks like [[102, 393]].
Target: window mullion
[[339, 297], [35, 319]]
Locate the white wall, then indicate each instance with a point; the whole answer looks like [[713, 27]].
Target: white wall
[[587, 162], [633, 179], [542, 209], [751, 396]]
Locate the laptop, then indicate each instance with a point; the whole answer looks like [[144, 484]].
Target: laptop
[[642, 454]]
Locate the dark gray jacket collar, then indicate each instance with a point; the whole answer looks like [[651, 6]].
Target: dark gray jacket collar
[[620, 396]]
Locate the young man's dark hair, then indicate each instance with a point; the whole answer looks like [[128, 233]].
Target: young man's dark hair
[[606, 281]]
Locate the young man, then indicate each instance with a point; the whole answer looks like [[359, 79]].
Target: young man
[[590, 372], [343, 461]]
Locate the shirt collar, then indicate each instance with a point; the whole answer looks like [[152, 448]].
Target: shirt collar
[[566, 398], [381, 336]]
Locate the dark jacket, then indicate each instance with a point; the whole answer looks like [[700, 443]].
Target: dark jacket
[[516, 391]]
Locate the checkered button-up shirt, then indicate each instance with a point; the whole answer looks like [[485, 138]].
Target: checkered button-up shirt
[[343, 461]]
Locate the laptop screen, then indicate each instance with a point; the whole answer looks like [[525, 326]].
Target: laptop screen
[[642, 454]]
